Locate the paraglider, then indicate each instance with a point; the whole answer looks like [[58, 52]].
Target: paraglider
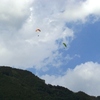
[[65, 44], [38, 30]]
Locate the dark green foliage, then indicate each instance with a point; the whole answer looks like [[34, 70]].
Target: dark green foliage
[[17, 84]]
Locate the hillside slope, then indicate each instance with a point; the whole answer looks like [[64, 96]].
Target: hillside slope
[[17, 84]]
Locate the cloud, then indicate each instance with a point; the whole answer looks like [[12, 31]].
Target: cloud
[[20, 45], [14, 13], [81, 10], [84, 77]]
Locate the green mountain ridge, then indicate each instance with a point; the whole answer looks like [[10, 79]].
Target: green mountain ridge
[[17, 84]]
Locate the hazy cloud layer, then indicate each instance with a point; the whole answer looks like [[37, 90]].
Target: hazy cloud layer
[[84, 77]]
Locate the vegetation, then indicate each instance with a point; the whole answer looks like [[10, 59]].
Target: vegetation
[[17, 84]]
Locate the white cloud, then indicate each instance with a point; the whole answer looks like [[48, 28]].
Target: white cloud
[[20, 45], [13, 13], [84, 77], [80, 10]]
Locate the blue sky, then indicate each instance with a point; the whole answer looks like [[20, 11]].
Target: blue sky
[[74, 22], [86, 43]]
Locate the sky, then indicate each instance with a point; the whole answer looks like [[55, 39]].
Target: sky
[[74, 22]]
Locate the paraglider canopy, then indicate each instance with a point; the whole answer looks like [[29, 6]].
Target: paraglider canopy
[[65, 44], [38, 30]]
